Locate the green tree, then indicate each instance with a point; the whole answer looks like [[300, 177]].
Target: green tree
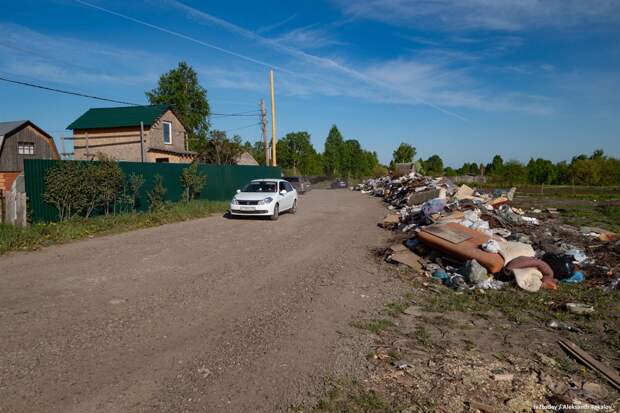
[[514, 173], [219, 149], [495, 167], [434, 165], [108, 178], [257, 150], [334, 152], [157, 194], [192, 181], [297, 155], [541, 171], [586, 172], [404, 153], [180, 87]]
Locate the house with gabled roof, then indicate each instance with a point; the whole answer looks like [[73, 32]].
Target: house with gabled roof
[[150, 133], [21, 140]]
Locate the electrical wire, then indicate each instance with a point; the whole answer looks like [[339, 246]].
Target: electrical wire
[[84, 95], [66, 92]]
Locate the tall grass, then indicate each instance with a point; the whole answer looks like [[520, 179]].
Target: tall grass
[[43, 234]]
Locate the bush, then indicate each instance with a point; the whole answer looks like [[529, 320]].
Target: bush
[[157, 194], [192, 182], [80, 188]]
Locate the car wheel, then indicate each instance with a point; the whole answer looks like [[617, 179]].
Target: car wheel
[[294, 208], [276, 213]]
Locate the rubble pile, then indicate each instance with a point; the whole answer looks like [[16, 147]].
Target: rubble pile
[[470, 238]]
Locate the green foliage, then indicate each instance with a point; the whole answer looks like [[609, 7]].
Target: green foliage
[[297, 155], [218, 149], [541, 171], [180, 87], [334, 152], [469, 169], [374, 326], [433, 165], [135, 183], [80, 188], [404, 153], [257, 150], [594, 170], [40, 235], [514, 173], [357, 162], [108, 181], [157, 194], [192, 181]]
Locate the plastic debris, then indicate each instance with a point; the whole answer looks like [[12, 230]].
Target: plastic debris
[[576, 278]]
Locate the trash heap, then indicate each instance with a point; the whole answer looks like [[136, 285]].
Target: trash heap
[[475, 239]]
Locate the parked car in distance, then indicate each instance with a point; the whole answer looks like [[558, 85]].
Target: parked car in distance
[[300, 183], [264, 197], [339, 183]]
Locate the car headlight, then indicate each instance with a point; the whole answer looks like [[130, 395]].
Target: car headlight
[[234, 201], [266, 201]]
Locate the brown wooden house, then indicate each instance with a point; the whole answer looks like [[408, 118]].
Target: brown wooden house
[[20, 140], [151, 133]]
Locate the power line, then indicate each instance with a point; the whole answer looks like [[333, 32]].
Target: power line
[[66, 92], [242, 127]]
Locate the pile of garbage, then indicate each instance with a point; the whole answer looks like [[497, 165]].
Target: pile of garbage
[[470, 238]]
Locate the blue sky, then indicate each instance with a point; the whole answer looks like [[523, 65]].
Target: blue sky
[[461, 78]]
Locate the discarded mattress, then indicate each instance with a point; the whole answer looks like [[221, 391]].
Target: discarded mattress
[[461, 242]]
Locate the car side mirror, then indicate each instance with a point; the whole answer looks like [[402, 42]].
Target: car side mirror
[[238, 191], [283, 192]]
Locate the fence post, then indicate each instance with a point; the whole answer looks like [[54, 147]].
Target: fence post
[[20, 209], [141, 141], [2, 208]]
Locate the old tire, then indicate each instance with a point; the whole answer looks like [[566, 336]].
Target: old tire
[[294, 207], [276, 213]]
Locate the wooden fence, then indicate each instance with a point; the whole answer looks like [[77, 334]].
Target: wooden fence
[[13, 209]]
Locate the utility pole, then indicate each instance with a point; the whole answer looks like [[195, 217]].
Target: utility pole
[[141, 141], [263, 122], [273, 121], [64, 152]]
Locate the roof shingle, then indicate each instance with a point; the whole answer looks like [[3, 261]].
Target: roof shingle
[[100, 118]]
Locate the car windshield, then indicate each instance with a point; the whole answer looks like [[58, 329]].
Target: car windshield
[[261, 186]]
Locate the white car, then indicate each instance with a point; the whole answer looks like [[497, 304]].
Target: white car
[[265, 197]]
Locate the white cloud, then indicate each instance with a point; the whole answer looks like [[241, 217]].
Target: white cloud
[[268, 28], [66, 60], [309, 37], [503, 15]]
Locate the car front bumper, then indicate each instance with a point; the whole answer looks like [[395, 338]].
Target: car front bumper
[[252, 210]]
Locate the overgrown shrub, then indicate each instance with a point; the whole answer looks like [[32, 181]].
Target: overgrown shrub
[[108, 178], [66, 189], [80, 188], [192, 182], [157, 194]]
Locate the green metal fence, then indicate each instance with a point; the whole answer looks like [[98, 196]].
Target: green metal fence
[[222, 182]]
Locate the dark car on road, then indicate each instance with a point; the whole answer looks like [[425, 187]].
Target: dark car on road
[[300, 183], [339, 183]]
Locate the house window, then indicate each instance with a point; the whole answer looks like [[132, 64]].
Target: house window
[[25, 148], [167, 133]]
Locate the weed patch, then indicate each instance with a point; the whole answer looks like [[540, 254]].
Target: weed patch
[[374, 326], [44, 234]]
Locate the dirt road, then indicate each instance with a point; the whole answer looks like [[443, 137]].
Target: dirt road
[[206, 315]]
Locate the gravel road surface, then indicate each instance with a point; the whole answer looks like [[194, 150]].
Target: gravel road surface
[[207, 315]]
